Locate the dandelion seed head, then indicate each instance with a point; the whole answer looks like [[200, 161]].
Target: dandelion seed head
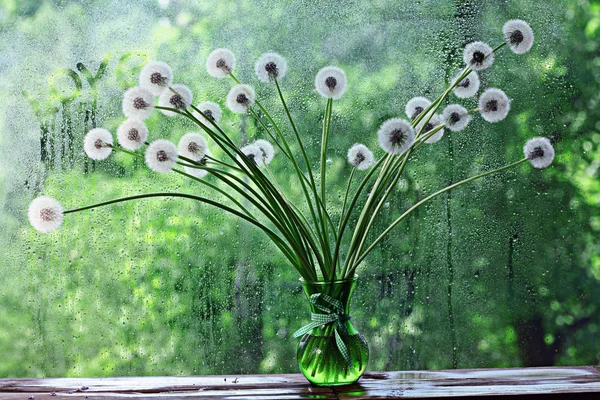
[[416, 106], [45, 214], [434, 122], [193, 145], [132, 133], [331, 82], [468, 87], [254, 153], [161, 155], [360, 156], [211, 110], [138, 103], [494, 105], [518, 35], [155, 77], [197, 172], [180, 98], [220, 63], [395, 135], [478, 56], [539, 151], [267, 150], [96, 144], [456, 117], [240, 98], [270, 66]]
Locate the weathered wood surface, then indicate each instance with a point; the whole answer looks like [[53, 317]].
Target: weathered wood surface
[[554, 382]]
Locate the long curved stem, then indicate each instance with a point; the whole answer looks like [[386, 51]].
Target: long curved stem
[[425, 200], [272, 235]]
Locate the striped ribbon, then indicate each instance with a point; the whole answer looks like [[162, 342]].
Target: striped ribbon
[[334, 314]]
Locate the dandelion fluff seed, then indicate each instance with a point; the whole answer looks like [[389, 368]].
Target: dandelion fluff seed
[[198, 172], [211, 110], [240, 98], [138, 103], [45, 214], [468, 87], [253, 152], [433, 123], [395, 135], [494, 105], [179, 98], [539, 152], [416, 106], [267, 150], [155, 77], [478, 56], [456, 117], [331, 82], [96, 144], [518, 35], [161, 155], [220, 63], [270, 66], [192, 145], [132, 134], [360, 156]]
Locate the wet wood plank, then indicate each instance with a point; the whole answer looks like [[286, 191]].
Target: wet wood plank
[[552, 382]]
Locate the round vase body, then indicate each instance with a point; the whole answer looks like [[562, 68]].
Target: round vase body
[[319, 357]]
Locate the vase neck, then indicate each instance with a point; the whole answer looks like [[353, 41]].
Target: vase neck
[[339, 290]]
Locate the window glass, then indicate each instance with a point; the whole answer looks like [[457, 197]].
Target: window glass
[[502, 272]]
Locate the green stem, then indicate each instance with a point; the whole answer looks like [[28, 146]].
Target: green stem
[[278, 241], [346, 218], [311, 178], [300, 143], [426, 199], [335, 259], [324, 146]]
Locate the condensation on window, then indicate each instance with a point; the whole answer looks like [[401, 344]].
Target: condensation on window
[[500, 273]]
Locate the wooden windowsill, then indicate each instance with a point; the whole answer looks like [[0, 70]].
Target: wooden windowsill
[[535, 383]]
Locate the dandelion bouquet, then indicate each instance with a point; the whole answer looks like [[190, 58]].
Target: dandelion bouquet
[[325, 249]]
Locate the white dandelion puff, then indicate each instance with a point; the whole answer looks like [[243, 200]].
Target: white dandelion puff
[[270, 66], [456, 117], [132, 133], [211, 110], [155, 77], [433, 123], [97, 144], [161, 155], [180, 98], [192, 145], [253, 152], [478, 56], [468, 87], [539, 152], [395, 135], [494, 105], [240, 98], [45, 214], [360, 156], [518, 35], [138, 103], [331, 82], [220, 63], [267, 150], [416, 106], [198, 172]]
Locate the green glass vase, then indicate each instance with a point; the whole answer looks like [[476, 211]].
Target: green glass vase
[[321, 357]]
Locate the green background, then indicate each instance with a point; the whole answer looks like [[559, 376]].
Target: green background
[[503, 272]]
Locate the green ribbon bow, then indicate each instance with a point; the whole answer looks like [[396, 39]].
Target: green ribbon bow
[[334, 314]]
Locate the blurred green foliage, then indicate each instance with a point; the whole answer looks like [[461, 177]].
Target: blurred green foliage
[[503, 272]]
